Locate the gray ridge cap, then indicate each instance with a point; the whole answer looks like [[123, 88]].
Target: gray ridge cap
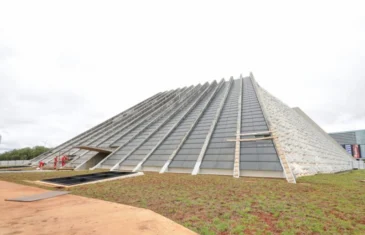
[[344, 132]]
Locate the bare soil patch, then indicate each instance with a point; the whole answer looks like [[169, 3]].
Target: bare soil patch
[[70, 214]]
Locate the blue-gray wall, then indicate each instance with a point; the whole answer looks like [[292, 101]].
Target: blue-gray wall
[[351, 138]]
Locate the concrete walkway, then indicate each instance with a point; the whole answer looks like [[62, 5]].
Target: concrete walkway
[[70, 214]]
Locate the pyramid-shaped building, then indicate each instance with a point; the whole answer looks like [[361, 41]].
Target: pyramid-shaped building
[[232, 127]]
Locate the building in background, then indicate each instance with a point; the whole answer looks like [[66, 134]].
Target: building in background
[[352, 141]]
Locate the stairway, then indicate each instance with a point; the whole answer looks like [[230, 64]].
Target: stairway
[[286, 168]]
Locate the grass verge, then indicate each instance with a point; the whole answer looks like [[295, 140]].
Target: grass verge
[[209, 204]]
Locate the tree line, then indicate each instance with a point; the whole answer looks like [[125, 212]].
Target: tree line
[[23, 153]]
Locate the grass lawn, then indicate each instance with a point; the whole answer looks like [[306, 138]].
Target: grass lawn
[[208, 204]]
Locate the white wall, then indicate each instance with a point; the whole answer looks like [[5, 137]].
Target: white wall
[[14, 163], [307, 149]]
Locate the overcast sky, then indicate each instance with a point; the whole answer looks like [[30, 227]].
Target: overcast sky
[[66, 66]]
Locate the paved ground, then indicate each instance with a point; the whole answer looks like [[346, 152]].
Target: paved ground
[[70, 214]]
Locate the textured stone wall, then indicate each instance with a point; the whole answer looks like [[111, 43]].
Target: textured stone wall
[[308, 150]]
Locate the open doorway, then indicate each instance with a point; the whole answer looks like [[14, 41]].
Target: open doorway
[[93, 161]]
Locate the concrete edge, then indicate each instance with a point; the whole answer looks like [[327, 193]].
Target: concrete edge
[[39, 182]]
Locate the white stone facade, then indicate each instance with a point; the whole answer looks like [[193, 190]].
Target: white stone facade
[[307, 148]]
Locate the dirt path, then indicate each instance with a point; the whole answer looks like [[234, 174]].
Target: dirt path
[[72, 214]]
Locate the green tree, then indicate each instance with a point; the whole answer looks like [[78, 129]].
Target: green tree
[[23, 153]]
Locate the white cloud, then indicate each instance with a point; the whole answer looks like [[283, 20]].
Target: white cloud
[[67, 65]]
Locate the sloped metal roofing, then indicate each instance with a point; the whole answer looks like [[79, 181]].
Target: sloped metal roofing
[[182, 130]]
